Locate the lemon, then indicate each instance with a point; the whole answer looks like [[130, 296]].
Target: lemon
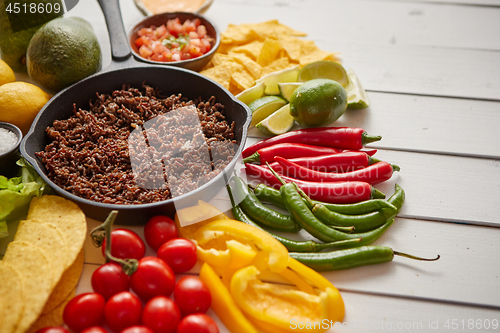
[[20, 102], [264, 107], [318, 102], [356, 95], [249, 95], [277, 123], [6, 73], [287, 89], [324, 69], [271, 80]]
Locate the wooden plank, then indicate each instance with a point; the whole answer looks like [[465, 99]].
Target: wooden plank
[[374, 22], [464, 274], [368, 313], [426, 124]]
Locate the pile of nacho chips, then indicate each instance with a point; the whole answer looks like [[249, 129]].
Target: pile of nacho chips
[[41, 267], [249, 51]]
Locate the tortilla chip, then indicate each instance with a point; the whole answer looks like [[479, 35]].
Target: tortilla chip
[[292, 47], [253, 68], [242, 79], [219, 74], [66, 216], [274, 29], [239, 34], [47, 238], [34, 268], [11, 297], [67, 283], [270, 52], [53, 318], [252, 50], [219, 59], [277, 65]]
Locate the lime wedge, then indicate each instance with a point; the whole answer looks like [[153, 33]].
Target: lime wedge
[[356, 95], [324, 69], [265, 106], [277, 123], [287, 89], [271, 80], [249, 95]]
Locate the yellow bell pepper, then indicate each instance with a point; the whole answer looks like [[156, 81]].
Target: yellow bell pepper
[[275, 308], [214, 236], [190, 219], [223, 303]]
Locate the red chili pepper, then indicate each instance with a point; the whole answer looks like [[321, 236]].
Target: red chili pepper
[[336, 137], [288, 150], [339, 192], [341, 162], [373, 174]]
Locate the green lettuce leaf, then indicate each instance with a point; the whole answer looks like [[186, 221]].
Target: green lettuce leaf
[[16, 194]]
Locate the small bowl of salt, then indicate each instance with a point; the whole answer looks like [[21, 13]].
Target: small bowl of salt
[[10, 138]]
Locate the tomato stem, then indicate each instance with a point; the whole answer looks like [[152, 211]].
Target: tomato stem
[[103, 231]]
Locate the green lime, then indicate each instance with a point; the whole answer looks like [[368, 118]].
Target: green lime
[[287, 89], [277, 123], [323, 69], [62, 52], [249, 95], [356, 95], [271, 80], [263, 107], [318, 102]]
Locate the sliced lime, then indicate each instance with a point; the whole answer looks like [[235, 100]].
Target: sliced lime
[[356, 95], [271, 80], [287, 89], [263, 107], [323, 69], [277, 123], [249, 95]]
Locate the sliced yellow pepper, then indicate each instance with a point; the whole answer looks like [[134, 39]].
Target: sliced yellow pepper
[[190, 219], [274, 308], [214, 235], [223, 303]]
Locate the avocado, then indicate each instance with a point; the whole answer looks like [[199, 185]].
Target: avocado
[[14, 43], [62, 52]]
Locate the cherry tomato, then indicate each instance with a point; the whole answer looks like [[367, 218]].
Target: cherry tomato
[[53, 329], [94, 329], [161, 314], [199, 323], [178, 253], [84, 310], [137, 329], [125, 244], [158, 230], [152, 278], [123, 310], [192, 295], [109, 279]]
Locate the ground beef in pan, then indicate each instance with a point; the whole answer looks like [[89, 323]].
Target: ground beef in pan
[[136, 146]]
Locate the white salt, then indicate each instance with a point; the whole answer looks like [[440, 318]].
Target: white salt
[[8, 140]]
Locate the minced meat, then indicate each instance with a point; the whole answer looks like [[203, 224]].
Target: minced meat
[[136, 146]]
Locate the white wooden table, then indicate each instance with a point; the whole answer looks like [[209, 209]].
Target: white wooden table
[[432, 72]]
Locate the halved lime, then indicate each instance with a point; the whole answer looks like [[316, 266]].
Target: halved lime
[[287, 89], [249, 95], [356, 95], [277, 123], [324, 69], [271, 80], [265, 106]]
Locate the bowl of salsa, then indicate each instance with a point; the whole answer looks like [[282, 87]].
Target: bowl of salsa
[[181, 39]]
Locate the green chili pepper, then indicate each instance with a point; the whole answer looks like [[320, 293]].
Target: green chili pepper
[[350, 258], [306, 219], [363, 222], [291, 245], [271, 195], [259, 213]]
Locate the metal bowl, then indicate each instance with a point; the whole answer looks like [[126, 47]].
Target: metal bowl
[[195, 64], [8, 159]]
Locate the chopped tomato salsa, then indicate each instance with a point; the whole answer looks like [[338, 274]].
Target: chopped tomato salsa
[[173, 41]]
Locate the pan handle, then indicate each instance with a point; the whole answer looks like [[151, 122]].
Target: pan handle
[[120, 49]]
